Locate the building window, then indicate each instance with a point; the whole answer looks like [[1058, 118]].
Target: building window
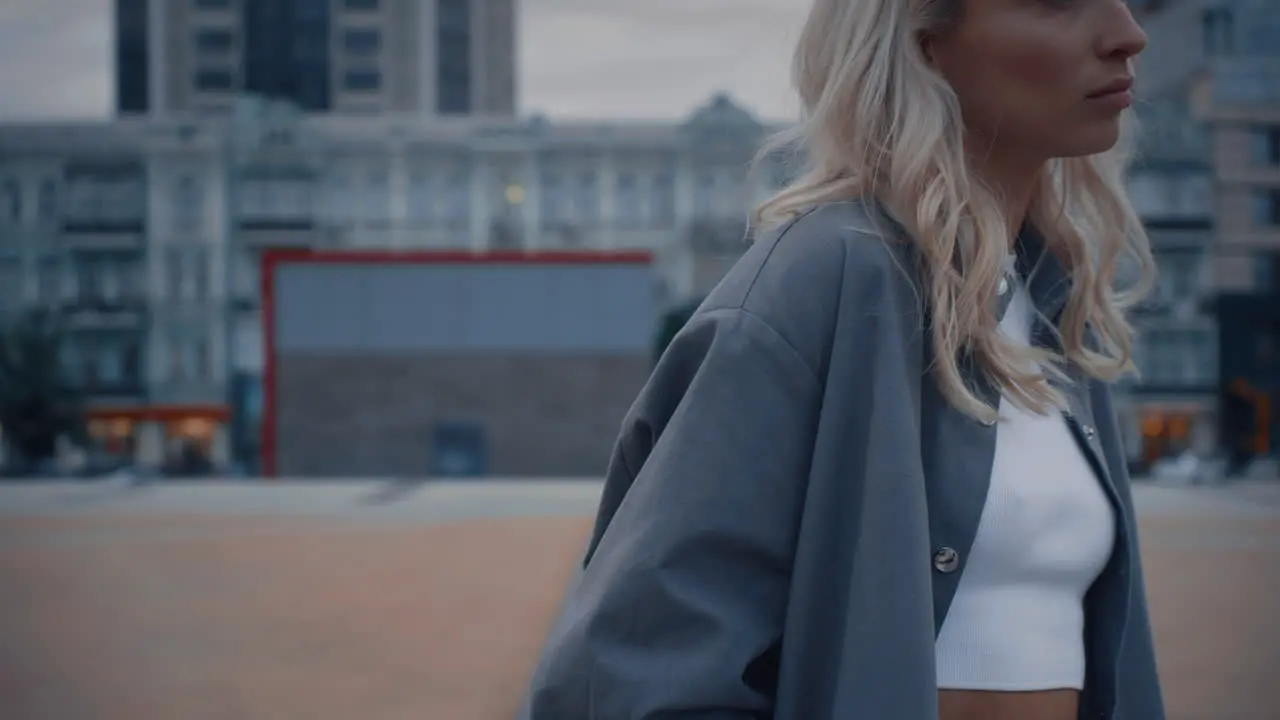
[[11, 198], [132, 56], [110, 363], [662, 199], [1266, 146], [286, 50], [586, 200], [123, 199], [630, 203], [296, 197], [88, 279], [421, 196], [86, 359], [177, 370], [552, 203], [131, 361], [362, 80], [362, 42], [733, 194], [1266, 268], [312, 44], [456, 199], [188, 205], [103, 278], [133, 281], [187, 274], [47, 202], [1179, 357], [1168, 195], [85, 200], [341, 204], [211, 80], [284, 199], [1195, 196], [174, 274], [1218, 31], [214, 41], [1266, 207], [375, 198], [704, 194], [360, 5], [1180, 274], [50, 281], [189, 359], [199, 272], [10, 285], [453, 59], [247, 277], [1147, 195]]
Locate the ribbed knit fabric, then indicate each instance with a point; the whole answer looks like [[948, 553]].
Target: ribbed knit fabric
[[1047, 530]]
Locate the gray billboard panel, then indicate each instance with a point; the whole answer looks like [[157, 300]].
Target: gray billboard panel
[[411, 308]]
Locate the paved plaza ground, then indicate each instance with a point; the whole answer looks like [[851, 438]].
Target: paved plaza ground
[[362, 600]]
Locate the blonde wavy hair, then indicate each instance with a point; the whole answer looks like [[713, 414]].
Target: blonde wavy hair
[[880, 124]]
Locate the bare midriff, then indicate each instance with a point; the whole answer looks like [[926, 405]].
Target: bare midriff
[[988, 705]]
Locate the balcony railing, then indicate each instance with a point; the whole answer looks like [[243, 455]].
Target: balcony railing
[[188, 392], [90, 225], [95, 312], [104, 234], [270, 233], [116, 389]]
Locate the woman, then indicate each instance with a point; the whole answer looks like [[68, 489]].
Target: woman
[[878, 473]]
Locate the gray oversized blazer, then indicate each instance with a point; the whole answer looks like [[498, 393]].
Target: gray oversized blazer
[[791, 502]]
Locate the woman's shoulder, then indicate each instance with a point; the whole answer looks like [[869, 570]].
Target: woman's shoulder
[[804, 276], [815, 255]]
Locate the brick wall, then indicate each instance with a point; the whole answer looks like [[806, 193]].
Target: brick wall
[[544, 415]]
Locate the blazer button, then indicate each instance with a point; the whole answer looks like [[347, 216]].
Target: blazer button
[[946, 560], [1089, 432]]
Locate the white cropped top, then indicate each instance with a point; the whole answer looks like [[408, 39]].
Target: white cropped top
[[1047, 530]]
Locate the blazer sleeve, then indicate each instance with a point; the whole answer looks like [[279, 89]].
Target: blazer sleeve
[[679, 608]]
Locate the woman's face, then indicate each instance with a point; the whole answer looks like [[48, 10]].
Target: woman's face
[[1040, 78]]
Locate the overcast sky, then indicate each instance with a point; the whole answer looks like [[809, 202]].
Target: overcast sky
[[579, 58]]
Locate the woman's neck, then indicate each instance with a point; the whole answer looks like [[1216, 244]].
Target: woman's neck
[[1014, 179]]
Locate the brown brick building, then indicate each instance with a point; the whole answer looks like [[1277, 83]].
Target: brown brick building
[[407, 365]]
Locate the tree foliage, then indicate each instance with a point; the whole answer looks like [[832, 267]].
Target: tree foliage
[[37, 403]]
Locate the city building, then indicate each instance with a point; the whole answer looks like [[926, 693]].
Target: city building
[[148, 232], [1210, 83], [446, 57], [1173, 405], [1226, 54], [1238, 97]]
